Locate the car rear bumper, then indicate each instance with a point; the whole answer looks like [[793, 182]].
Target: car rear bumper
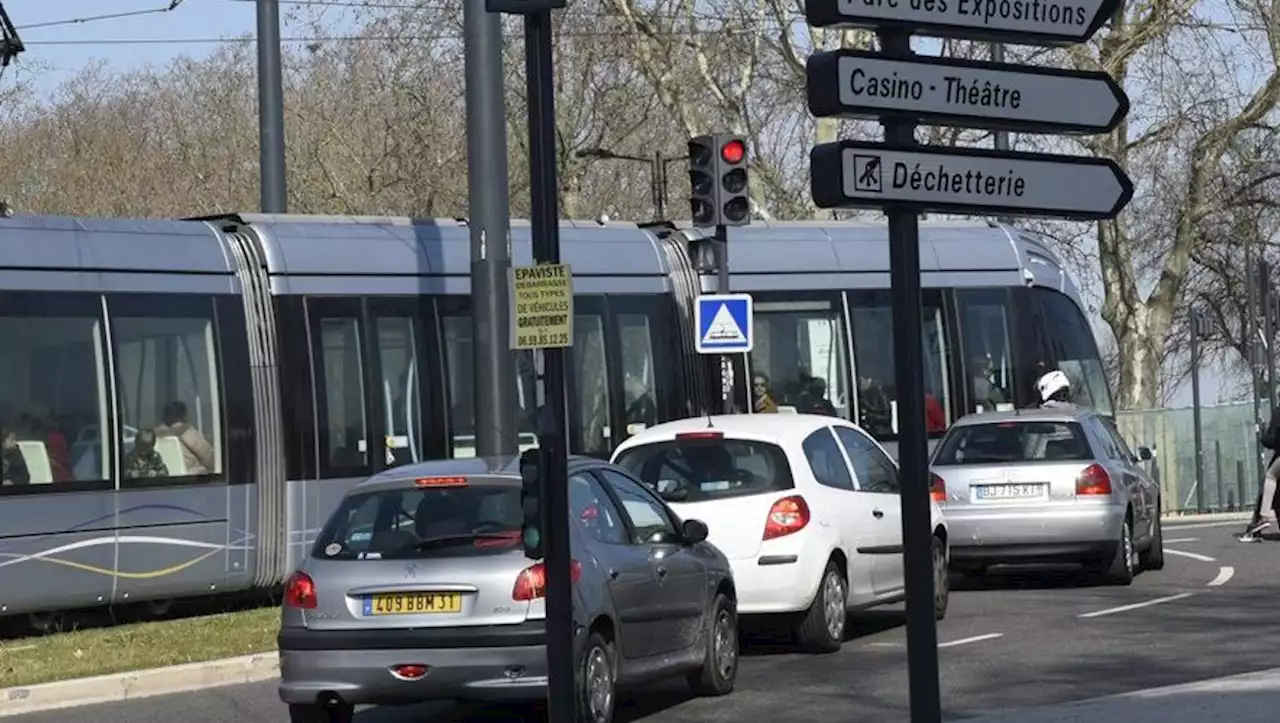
[[1066, 534], [493, 663], [779, 580]]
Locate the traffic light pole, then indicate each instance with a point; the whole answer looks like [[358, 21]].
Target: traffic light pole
[[545, 222], [1195, 409], [722, 287], [917, 536]]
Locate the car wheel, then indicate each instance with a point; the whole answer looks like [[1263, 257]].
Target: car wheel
[[941, 580], [1125, 563], [1153, 557], [315, 713], [597, 680], [822, 630], [719, 668]]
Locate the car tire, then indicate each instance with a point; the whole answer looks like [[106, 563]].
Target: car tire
[[719, 669], [823, 627], [315, 713], [597, 681], [1152, 558], [1123, 565], [941, 580]]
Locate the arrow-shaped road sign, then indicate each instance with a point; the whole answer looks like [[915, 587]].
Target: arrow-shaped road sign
[[1023, 22], [947, 91], [855, 174]]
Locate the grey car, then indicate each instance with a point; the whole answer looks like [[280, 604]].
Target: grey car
[[418, 589], [1047, 486]]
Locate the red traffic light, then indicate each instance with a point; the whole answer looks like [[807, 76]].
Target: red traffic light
[[733, 152]]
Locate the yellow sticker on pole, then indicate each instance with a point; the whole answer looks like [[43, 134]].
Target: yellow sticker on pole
[[542, 306]]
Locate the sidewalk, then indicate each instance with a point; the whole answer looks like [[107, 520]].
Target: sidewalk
[[1249, 698]]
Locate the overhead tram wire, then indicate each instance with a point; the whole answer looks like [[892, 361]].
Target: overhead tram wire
[[169, 7]]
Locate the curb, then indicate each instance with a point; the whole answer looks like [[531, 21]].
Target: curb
[[138, 684], [1207, 517]]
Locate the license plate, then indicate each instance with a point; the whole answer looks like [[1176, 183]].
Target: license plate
[[413, 603], [1009, 492]]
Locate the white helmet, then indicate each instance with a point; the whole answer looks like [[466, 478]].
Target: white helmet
[[1052, 383]]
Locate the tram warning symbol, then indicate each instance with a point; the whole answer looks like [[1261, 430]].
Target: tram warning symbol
[[725, 324], [867, 173]]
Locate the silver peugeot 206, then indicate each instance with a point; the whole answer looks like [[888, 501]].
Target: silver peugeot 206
[[418, 589]]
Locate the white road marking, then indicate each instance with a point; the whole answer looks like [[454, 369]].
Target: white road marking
[[1182, 539], [1202, 525], [886, 645], [1192, 555], [1136, 606], [1226, 572], [17, 648], [974, 639]]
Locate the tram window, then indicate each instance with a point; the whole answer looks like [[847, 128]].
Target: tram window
[[344, 435], [640, 391], [53, 395], [871, 314], [592, 375], [460, 365], [1077, 353], [798, 360], [984, 319], [401, 389], [167, 374]]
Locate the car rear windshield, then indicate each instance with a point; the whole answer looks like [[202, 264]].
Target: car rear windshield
[[697, 469], [1011, 441], [455, 521]]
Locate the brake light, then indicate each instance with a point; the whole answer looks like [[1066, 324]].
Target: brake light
[[788, 515], [1094, 480], [531, 583], [937, 488], [708, 434], [440, 482], [300, 592]]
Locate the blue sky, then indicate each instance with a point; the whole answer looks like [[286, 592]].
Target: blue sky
[[63, 36]]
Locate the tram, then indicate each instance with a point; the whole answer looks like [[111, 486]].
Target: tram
[[183, 402]]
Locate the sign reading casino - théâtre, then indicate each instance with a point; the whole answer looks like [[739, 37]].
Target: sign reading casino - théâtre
[[541, 306]]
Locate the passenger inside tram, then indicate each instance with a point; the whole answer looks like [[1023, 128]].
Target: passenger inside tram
[[143, 461], [37, 424], [762, 395], [641, 408], [987, 394], [197, 453], [14, 465]]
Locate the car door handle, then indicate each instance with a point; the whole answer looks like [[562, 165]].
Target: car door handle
[[877, 514], [613, 574]]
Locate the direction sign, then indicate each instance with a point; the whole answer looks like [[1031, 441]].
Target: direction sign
[[1026, 22], [967, 93], [725, 323], [854, 174]]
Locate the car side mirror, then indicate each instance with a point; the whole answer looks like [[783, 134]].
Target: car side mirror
[[1144, 454], [695, 531]]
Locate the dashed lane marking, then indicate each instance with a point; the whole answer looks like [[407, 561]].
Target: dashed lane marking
[[1181, 539], [1204, 525], [1192, 555], [1136, 606], [1225, 573], [974, 639]]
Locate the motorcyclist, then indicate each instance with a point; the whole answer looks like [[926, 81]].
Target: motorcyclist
[[1264, 514], [1054, 389]]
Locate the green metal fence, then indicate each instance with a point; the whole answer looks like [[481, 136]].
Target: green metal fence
[[1232, 463]]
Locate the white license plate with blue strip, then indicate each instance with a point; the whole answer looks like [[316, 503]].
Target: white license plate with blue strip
[[1024, 491]]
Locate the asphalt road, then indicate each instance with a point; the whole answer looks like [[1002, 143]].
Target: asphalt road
[[1007, 642]]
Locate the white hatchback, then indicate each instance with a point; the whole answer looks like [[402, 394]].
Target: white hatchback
[[806, 508]]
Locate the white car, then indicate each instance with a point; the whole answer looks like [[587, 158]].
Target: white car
[[806, 508]]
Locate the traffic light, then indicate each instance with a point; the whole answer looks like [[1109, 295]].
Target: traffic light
[[718, 180], [531, 504]]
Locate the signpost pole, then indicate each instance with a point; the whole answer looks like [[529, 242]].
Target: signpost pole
[[545, 221], [1195, 409], [904, 284]]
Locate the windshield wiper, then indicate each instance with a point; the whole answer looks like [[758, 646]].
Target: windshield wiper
[[450, 540]]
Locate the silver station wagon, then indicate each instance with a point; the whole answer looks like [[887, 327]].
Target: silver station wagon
[[418, 589], [1047, 486]]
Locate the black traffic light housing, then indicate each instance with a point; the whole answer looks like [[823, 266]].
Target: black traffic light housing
[[531, 530], [718, 180]]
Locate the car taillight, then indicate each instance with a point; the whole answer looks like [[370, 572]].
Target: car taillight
[[788, 515], [531, 583], [300, 592], [1094, 480], [937, 488]]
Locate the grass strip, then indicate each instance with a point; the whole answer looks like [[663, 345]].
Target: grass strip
[[116, 649]]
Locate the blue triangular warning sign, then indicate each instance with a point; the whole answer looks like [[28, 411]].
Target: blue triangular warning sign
[[724, 329]]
